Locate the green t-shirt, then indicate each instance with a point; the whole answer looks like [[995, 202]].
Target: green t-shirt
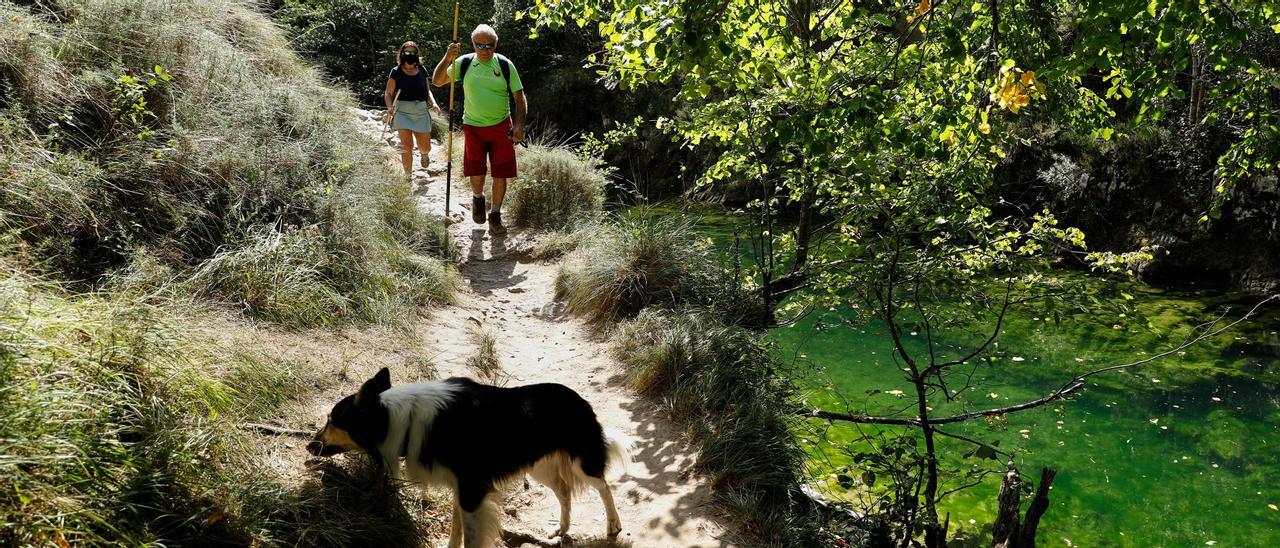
[[485, 100]]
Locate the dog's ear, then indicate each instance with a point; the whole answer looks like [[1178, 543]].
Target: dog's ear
[[372, 387]]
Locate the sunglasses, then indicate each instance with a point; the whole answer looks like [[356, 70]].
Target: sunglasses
[[409, 52], [485, 46]]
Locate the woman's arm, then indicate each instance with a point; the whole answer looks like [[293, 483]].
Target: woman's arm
[[434, 105], [388, 96]]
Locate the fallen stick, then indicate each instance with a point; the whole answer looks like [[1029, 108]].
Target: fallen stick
[[279, 430]]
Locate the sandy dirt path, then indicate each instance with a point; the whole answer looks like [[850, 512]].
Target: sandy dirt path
[[504, 293]]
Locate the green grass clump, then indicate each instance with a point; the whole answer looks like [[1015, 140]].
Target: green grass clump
[[561, 242], [629, 264], [191, 130], [278, 276], [723, 384], [618, 268], [556, 189]]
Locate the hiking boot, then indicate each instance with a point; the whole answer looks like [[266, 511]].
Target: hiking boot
[[495, 224], [477, 209]]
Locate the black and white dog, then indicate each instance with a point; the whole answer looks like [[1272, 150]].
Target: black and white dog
[[474, 437]]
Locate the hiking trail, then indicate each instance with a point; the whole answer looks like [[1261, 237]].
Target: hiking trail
[[509, 296]]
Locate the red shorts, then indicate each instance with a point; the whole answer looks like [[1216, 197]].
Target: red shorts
[[490, 142]]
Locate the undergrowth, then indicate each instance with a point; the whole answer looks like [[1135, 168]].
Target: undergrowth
[[683, 342], [118, 426], [620, 267], [191, 131], [556, 189]]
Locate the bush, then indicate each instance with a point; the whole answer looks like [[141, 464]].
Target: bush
[[193, 139], [724, 385], [556, 189], [630, 264], [618, 268]]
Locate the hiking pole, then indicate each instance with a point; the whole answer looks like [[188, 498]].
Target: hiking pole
[[448, 171]]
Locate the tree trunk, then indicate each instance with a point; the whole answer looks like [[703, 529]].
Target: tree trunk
[[1005, 530], [1040, 503], [1010, 529]]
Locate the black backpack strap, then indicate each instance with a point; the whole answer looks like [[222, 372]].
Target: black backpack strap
[[506, 73], [463, 64]]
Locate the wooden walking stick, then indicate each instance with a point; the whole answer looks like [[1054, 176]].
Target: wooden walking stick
[[387, 118], [448, 171]]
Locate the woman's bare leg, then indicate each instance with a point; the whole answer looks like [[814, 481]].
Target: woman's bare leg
[[424, 147], [406, 150]]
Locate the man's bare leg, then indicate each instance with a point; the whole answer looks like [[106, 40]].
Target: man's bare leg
[[499, 192], [477, 199]]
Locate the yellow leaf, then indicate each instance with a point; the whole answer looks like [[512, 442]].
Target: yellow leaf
[[924, 7]]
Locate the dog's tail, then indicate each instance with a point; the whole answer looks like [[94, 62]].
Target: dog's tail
[[617, 449]]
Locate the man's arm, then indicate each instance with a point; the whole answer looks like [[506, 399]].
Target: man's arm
[[522, 108], [441, 75]]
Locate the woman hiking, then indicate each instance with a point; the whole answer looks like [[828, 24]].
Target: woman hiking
[[407, 100]]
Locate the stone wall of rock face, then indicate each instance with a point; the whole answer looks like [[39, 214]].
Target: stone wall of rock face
[[1154, 191]]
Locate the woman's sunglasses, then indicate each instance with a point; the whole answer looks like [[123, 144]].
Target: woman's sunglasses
[[485, 46], [409, 52]]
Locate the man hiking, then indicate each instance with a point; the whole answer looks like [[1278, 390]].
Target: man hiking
[[488, 81]]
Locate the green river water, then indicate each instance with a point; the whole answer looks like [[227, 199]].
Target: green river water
[[1181, 452]]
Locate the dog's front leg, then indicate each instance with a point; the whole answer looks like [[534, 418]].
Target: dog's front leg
[[480, 526]]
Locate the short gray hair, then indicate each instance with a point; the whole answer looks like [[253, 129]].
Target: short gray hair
[[483, 30]]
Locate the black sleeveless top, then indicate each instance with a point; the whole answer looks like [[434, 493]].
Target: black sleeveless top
[[412, 88]]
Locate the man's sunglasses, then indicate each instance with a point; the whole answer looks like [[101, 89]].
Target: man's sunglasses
[[485, 46]]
